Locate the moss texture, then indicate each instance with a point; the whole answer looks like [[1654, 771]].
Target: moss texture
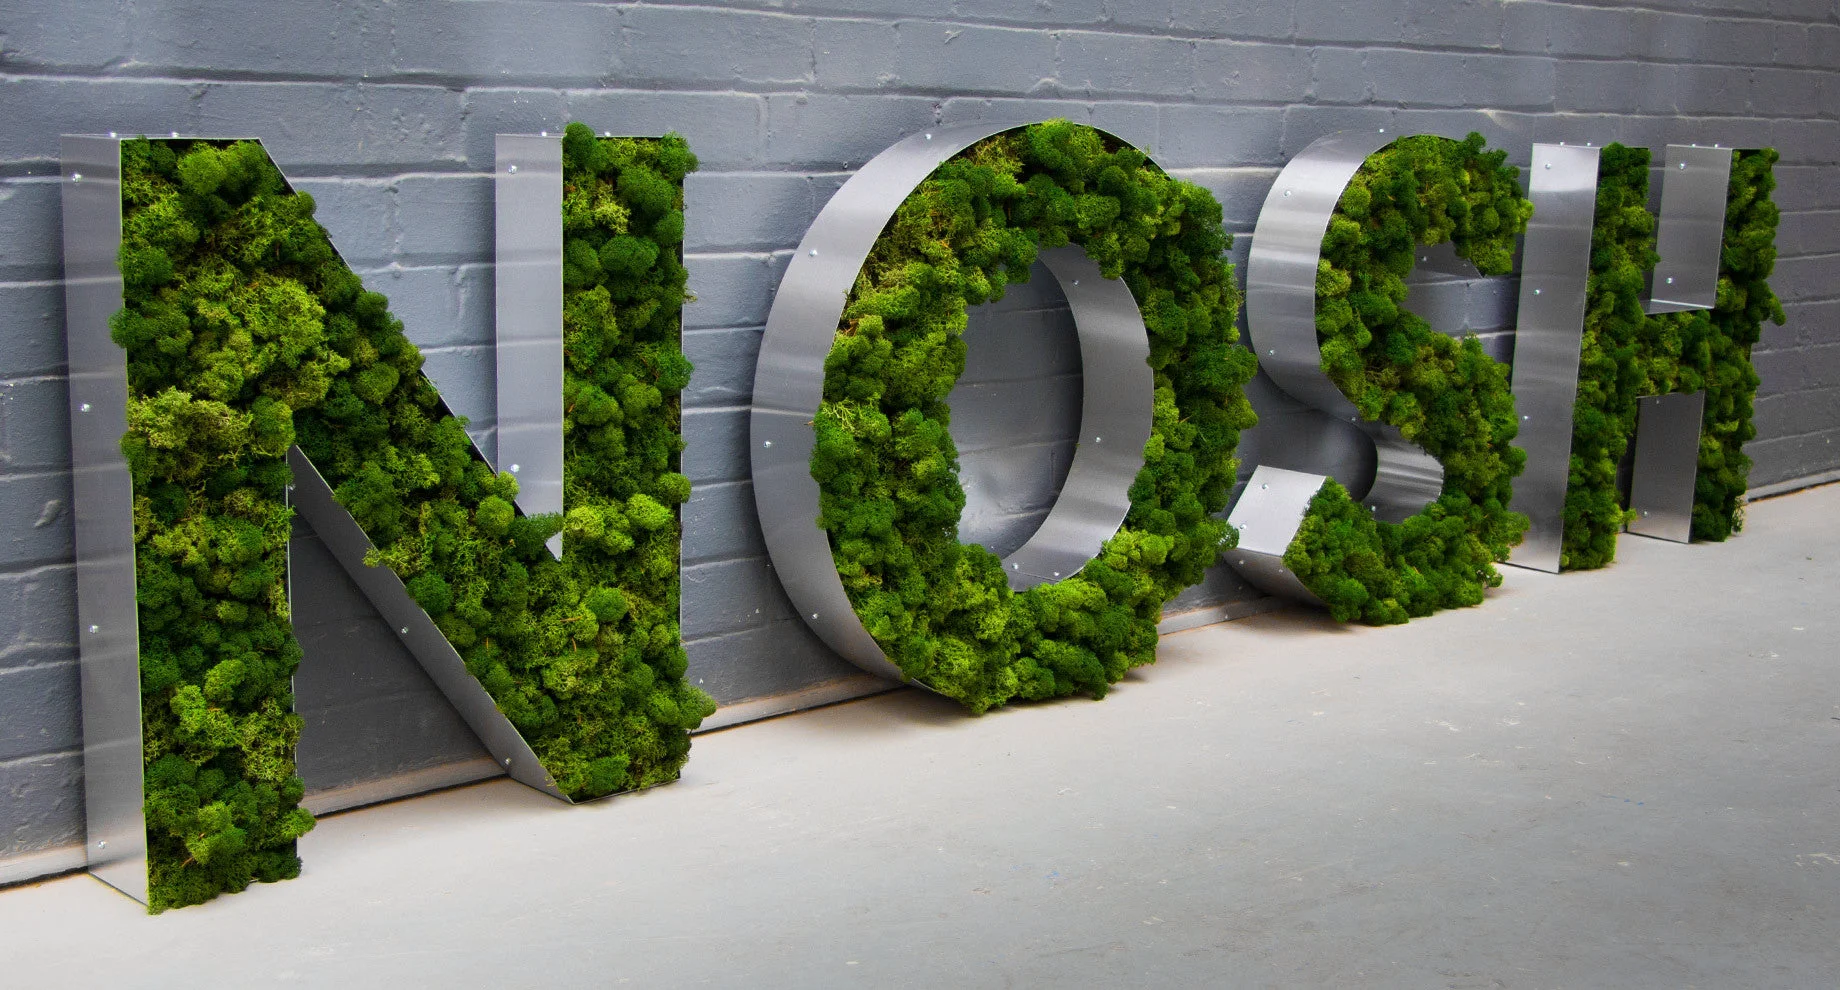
[[1627, 354], [1445, 395], [884, 458], [246, 334]]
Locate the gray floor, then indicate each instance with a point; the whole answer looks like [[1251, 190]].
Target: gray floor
[[1618, 779]]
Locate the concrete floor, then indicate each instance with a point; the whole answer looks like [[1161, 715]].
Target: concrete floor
[[1628, 778]]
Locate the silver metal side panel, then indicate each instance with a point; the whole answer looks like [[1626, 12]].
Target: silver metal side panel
[[1667, 463], [312, 498], [1267, 516], [1548, 337], [108, 634], [1694, 186], [527, 188]]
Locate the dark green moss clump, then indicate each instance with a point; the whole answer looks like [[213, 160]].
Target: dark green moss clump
[[246, 334], [885, 462], [1627, 354], [1445, 395]]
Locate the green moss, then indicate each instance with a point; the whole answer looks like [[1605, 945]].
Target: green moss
[[1445, 395], [245, 333], [1627, 355], [884, 458]]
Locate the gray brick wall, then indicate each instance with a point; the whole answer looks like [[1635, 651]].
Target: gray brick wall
[[385, 112]]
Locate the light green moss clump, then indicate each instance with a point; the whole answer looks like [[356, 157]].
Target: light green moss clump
[[1445, 395], [884, 458], [246, 334]]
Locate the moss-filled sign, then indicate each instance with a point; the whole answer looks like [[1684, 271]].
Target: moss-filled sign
[[1627, 353], [246, 334]]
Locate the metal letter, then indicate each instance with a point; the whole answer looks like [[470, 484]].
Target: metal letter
[[1667, 461], [789, 383], [1548, 338], [527, 186], [1281, 318]]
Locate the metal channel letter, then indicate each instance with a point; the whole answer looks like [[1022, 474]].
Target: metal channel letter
[[108, 634], [1692, 227], [1267, 516], [1548, 340], [527, 187], [1281, 315], [312, 498], [1667, 463], [789, 384]]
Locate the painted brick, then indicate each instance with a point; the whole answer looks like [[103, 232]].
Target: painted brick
[[31, 214], [51, 33], [1801, 187], [1340, 75], [1783, 458], [1806, 141], [444, 219], [580, 42], [852, 54], [1613, 86], [1816, 277], [34, 519], [1560, 29], [32, 327], [439, 307], [357, 215], [1456, 23], [1365, 23], [1792, 92], [746, 211], [1239, 72], [1489, 82], [464, 376], [732, 595], [724, 129], [1096, 63], [38, 616], [759, 662], [700, 44], [490, 111], [38, 711], [41, 803], [310, 127], [724, 363], [1813, 322], [34, 425], [1241, 191], [715, 444], [960, 58], [1199, 136], [1808, 233], [301, 39], [40, 109], [1056, 12], [829, 131], [732, 290], [1263, 19], [720, 523]]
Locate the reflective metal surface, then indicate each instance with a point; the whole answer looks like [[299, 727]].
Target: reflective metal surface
[[1267, 516], [108, 636], [527, 186], [789, 381], [312, 498], [1555, 265], [1118, 391], [1691, 228], [1281, 310], [1667, 462]]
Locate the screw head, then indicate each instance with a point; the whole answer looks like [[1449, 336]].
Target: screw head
[[1536, 292], [76, 176], [1098, 439], [766, 443], [929, 137], [814, 252], [543, 134], [1683, 166], [83, 408], [1549, 166], [404, 630], [102, 844], [511, 169], [1287, 192], [1670, 280], [514, 469], [1263, 486], [814, 615], [95, 629]]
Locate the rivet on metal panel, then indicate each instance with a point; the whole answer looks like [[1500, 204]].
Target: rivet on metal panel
[[404, 630], [514, 469], [76, 176], [95, 629], [84, 407], [511, 168]]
